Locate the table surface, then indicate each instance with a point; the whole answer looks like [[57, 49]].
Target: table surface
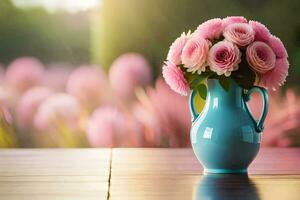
[[142, 174]]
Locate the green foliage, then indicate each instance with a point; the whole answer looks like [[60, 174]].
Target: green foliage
[[197, 81], [194, 79], [50, 37], [202, 90], [244, 76], [225, 82]]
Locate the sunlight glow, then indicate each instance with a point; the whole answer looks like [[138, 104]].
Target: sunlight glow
[[60, 5]]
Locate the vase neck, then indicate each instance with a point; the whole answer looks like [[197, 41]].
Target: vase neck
[[220, 96]]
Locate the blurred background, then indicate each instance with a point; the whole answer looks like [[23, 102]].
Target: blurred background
[[87, 73]]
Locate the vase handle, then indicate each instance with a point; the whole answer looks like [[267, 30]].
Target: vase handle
[[259, 124], [192, 106]]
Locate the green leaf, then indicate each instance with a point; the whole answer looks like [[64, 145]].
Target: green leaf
[[196, 81], [244, 76], [214, 76], [202, 90], [190, 77], [225, 82]]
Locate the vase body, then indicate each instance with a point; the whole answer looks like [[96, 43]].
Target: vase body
[[225, 137]]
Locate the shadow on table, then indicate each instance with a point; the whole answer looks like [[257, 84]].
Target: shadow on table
[[226, 186]]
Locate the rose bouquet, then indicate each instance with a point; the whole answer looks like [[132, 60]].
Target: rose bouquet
[[226, 49]]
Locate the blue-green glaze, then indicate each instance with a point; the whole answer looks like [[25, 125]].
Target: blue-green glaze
[[225, 137]]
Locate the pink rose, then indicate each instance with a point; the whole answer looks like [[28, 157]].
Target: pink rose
[[278, 47], [276, 77], [194, 54], [234, 19], [175, 79], [262, 33], [175, 51], [211, 29], [239, 33], [260, 57], [224, 57]]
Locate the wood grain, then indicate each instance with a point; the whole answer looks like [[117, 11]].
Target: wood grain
[[200, 187], [176, 174], [141, 174], [183, 161], [54, 173]]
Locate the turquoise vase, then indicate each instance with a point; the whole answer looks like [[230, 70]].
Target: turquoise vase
[[225, 136]]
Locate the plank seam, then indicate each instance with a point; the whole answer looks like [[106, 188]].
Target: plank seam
[[109, 176]]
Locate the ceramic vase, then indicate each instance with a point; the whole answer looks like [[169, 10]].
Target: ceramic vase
[[225, 136]]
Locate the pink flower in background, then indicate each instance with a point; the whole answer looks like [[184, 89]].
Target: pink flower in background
[[29, 103], [240, 34], [260, 57], [283, 125], [224, 57], [147, 125], [128, 72], [262, 33], [194, 54], [211, 29], [175, 51], [175, 79], [165, 124], [8, 97], [5, 114], [107, 127], [23, 73], [277, 76], [56, 76], [88, 84], [278, 47], [57, 109], [234, 19]]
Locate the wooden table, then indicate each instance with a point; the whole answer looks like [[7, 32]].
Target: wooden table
[[142, 174]]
